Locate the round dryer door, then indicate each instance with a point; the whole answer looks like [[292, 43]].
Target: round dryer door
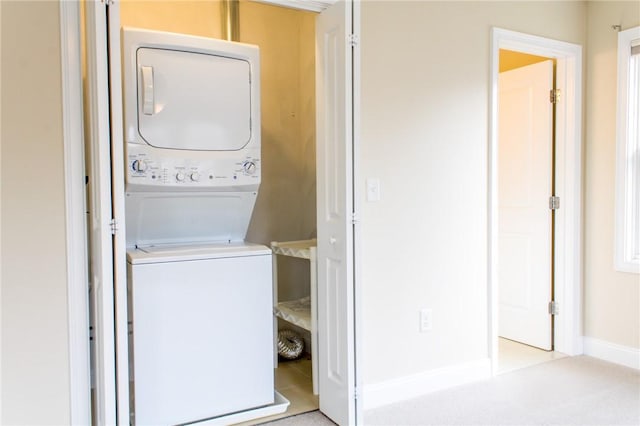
[[193, 101]]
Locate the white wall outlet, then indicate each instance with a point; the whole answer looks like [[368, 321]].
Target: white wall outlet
[[426, 320], [373, 189]]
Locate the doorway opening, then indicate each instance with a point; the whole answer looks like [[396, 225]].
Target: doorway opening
[[526, 157], [285, 206], [103, 38], [537, 250]]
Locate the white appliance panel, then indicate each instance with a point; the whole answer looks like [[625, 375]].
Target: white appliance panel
[[155, 169], [193, 101], [203, 338], [162, 218]]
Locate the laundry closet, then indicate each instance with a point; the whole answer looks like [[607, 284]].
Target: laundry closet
[[270, 196]]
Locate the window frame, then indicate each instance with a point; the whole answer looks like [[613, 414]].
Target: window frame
[[627, 213]]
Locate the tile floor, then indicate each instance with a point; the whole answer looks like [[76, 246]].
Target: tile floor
[[514, 356], [293, 381]]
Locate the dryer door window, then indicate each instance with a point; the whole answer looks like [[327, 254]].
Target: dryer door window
[[193, 101]]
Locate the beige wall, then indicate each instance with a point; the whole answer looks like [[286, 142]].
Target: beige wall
[[285, 209], [35, 370], [425, 97], [201, 18], [612, 299]]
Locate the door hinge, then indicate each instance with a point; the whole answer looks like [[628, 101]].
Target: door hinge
[[554, 202], [113, 225], [553, 308], [554, 96], [354, 218], [353, 40], [356, 394]]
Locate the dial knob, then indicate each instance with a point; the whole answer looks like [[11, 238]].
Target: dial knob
[[179, 176], [139, 166], [249, 167], [195, 176]]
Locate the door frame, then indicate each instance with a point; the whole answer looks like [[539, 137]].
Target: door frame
[[78, 325], [76, 222], [568, 220]]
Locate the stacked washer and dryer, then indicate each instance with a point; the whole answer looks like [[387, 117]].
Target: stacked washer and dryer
[[200, 298]]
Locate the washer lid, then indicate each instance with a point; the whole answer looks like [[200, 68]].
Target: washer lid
[[193, 101], [162, 253]]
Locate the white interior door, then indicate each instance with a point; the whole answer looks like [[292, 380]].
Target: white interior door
[[106, 201], [336, 363], [525, 184], [100, 214]]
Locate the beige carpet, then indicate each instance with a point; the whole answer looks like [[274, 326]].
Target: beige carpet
[[568, 391]]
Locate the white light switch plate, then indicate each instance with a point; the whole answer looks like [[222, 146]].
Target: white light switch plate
[[373, 189], [426, 320]]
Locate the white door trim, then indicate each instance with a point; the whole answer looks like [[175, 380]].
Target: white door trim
[[98, 127], [75, 206], [568, 227], [118, 200], [357, 228]]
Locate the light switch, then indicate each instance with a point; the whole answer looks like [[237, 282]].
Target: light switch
[[373, 189]]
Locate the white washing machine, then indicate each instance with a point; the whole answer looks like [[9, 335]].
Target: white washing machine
[[202, 331], [199, 297]]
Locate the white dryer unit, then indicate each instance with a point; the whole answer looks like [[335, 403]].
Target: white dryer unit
[[200, 298], [192, 137]]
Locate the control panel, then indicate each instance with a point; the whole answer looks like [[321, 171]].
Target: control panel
[[154, 169]]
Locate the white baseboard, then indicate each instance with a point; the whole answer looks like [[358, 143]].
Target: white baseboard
[[612, 352], [403, 388]]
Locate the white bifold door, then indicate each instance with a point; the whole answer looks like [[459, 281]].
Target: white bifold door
[[525, 220], [336, 360]]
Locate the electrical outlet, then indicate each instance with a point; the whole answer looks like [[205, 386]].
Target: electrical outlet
[[426, 320]]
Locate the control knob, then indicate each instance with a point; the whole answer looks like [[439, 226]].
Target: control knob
[[195, 176], [180, 176], [139, 166], [249, 167]]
